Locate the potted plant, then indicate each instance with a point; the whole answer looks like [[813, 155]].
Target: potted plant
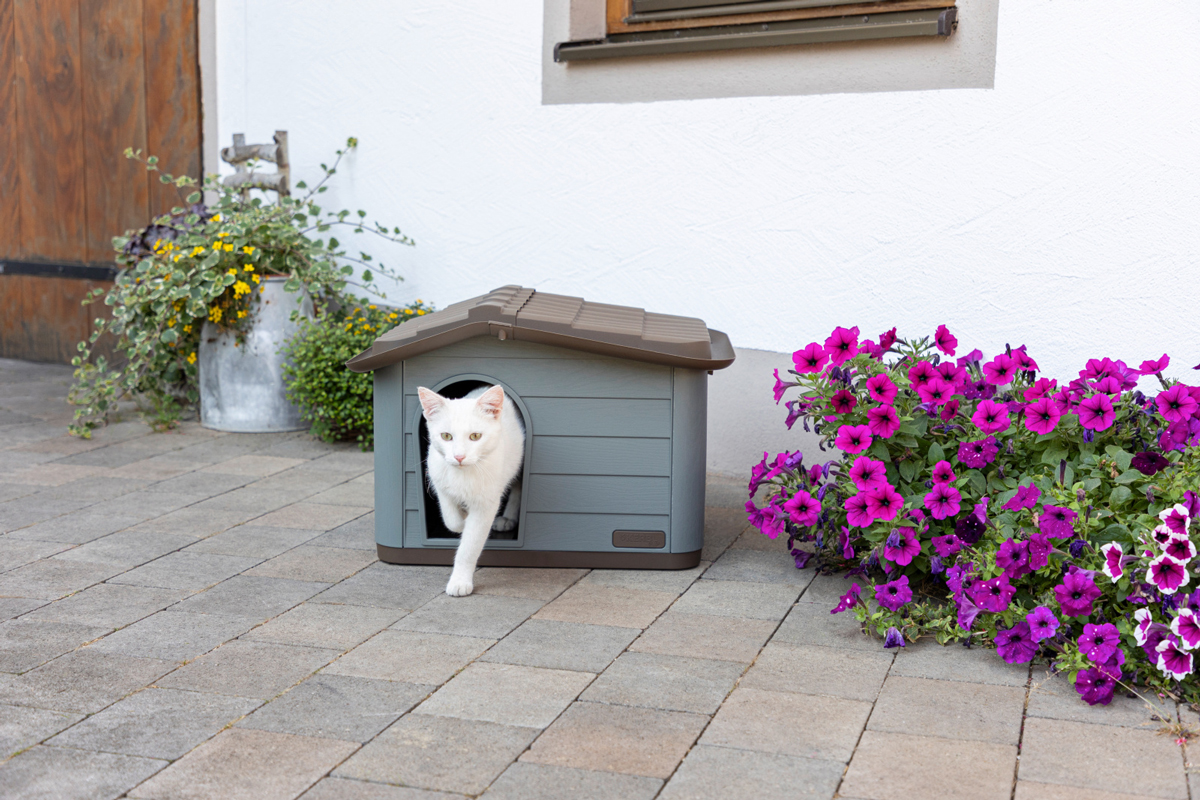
[[222, 286]]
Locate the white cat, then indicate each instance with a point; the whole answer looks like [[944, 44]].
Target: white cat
[[476, 449]]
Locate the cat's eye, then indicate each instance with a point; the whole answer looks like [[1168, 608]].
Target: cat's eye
[[447, 436], [475, 437]]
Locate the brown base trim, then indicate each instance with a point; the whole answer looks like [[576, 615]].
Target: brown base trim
[[570, 559]]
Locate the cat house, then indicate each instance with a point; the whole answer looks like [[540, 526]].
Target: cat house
[[614, 402]]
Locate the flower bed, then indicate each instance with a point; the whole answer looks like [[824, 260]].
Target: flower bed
[[978, 501]]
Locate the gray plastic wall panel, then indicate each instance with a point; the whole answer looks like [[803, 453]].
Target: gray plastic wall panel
[[688, 451], [569, 416], [589, 531], [594, 455], [598, 494], [389, 456], [530, 377]]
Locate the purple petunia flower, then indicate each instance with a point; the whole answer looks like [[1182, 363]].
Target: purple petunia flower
[[881, 389], [810, 359], [947, 545], [1039, 550], [1042, 623], [1097, 684], [893, 639], [1113, 567], [943, 472], [922, 373], [1179, 548], [945, 340], [885, 502], [769, 521], [1096, 413], [1173, 660], [1000, 370], [780, 388], [802, 557], [842, 402], [842, 345], [853, 439], [980, 511], [887, 339], [848, 600], [949, 411], [1191, 503], [969, 528], [894, 594], [1013, 558], [883, 421], [902, 546], [803, 508], [991, 417], [1099, 642], [1186, 626], [978, 454], [943, 501], [1076, 594], [967, 612], [867, 473], [993, 595], [1026, 497], [858, 510], [796, 410], [1168, 575], [951, 373], [1176, 404], [1056, 522], [1149, 463], [1015, 645], [1177, 518], [1042, 416], [1023, 360]]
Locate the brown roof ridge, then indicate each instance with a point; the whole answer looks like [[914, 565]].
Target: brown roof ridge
[[518, 312]]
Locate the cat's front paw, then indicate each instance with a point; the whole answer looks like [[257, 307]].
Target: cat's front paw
[[503, 524], [459, 587]]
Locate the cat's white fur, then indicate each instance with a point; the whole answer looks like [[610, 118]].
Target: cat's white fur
[[469, 475]]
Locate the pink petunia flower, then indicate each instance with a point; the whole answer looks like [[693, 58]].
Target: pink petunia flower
[[1096, 413], [952, 373], [1109, 385], [887, 339], [1026, 497], [780, 388], [842, 345], [883, 421], [943, 502], [1173, 660], [1023, 360], [853, 439], [935, 391], [922, 373], [1155, 367], [848, 600], [803, 508], [949, 411], [1042, 416], [884, 503], [1000, 370], [1186, 626], [1168, 575], [1112, 561], [1176, 404], [881, 389], [1042, 387], [811, 359], [858, 510], [991, 417], [842, 402], [943, 472], [868, 474], [902, 546], [945, 340]]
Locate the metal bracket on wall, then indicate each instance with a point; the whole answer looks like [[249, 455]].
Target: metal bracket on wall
[[929, 22], [242, 156]]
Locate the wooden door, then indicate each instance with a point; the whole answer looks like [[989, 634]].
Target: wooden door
[[81, 80]]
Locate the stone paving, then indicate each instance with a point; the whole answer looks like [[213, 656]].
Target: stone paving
[[201, 615]]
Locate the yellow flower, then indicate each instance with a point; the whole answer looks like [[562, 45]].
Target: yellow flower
[[216, 218], [240, 288], [197, 250], [254, 278], [171, 322], [421, 312], [248, 268], [231, 271], [187, 328], [177, 257], [393, 315], [242, 313], [371, 307], [228, 247], [248, 250], [214, 314], [191, 359], [222, 234]]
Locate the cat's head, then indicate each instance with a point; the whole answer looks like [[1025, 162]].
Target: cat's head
[[462, 431]]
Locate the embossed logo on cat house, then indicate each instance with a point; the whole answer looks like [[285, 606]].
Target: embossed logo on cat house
[[614, 402]]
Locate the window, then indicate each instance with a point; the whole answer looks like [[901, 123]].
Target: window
[[661, 27]]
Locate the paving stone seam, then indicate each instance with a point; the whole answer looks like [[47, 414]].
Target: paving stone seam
[[1021, 733], [866, 722]]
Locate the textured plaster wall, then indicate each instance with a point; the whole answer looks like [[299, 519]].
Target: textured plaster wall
[[1059, 208]]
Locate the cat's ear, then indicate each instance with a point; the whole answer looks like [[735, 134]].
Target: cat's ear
[[492, 401], [431, 402]]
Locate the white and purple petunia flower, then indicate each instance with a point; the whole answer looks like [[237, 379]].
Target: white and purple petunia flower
[[1112, 561], [1168, 575], [1176, 518], [1173, 659], [1142, 622], [1179, 549], [1186, 626]]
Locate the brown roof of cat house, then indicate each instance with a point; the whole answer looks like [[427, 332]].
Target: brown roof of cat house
[[515, 312]]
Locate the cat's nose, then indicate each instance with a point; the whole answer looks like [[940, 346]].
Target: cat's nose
[[459, 459]]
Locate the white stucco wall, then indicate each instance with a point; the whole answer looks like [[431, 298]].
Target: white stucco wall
[[1058, 209]]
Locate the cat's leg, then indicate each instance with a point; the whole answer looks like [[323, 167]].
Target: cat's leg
[[474, 536], [452, 513], [512, 510]]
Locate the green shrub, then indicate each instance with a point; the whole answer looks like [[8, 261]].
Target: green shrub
[[338, 403]]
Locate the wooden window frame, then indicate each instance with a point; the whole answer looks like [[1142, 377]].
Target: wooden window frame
[[618, 10]]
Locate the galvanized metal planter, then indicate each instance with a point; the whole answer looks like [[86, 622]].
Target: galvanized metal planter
[[241, 386]]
